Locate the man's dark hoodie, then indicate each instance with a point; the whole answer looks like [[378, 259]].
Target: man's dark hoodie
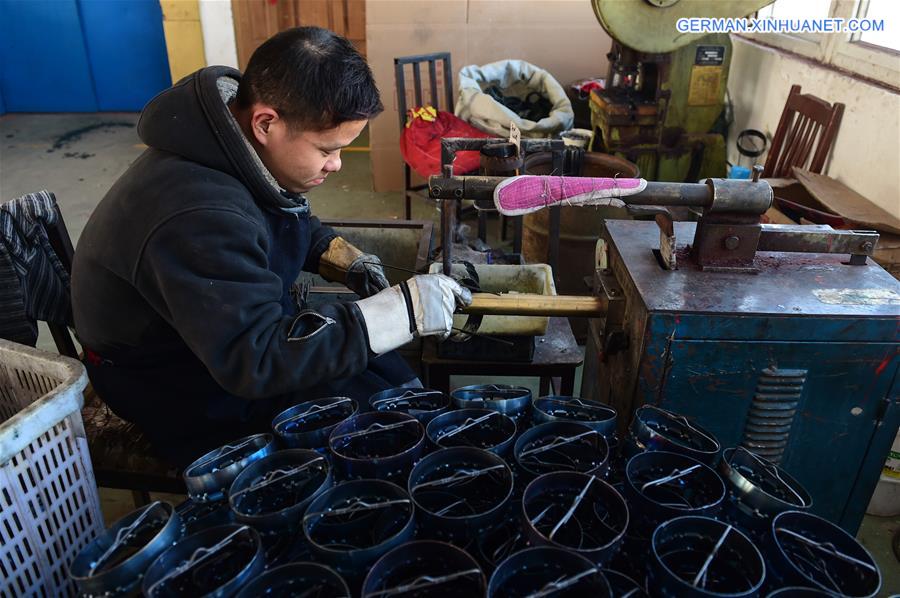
[[181, 284]]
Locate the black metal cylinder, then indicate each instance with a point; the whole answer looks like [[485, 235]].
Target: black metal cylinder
[[592, 414], [353, 524], [380, 445], [806, 550], [660, 486], [758, 490], [424, 404], [309, 424], [514, 401], [623, 585], [460, 493], [271, 494], [575, 511], [209, 477], [548, 571], [701, 557], [477, 428], [425, 568], [297, 579], [114, 562], [561, 446], [214, 562], [656, 429]]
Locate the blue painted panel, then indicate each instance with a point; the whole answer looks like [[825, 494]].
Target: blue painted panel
[[43, 63], [715, 382], [2, 105], [127, 51]]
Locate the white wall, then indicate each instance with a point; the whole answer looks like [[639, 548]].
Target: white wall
[[218, 33], [866, 152]]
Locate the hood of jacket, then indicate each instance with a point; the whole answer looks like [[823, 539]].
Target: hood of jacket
[[192, 119]]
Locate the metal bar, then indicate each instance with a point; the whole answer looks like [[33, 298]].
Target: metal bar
[[401, 93], [432, 81], [805, 238], [446, 234], [417, 82], [518, 225], [448, 82], [655, 194], [533, 305]]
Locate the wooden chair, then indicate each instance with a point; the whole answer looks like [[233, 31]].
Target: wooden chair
[[120, 453], [442, 101], [804, 135]]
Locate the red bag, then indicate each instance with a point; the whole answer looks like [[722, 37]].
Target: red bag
[[420, 142]]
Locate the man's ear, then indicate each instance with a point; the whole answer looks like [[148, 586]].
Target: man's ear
[[262, 118]]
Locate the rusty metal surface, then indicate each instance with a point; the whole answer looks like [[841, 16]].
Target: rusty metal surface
[[735, 195], [817, 239], [785, 285]]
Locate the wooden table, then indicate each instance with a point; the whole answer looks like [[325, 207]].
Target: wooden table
[[556, 355]]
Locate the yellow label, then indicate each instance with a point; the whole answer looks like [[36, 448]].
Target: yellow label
[[705, 81]]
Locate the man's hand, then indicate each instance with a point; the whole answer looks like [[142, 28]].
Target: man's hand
[[365, 276], [421, 306], [360, 272]]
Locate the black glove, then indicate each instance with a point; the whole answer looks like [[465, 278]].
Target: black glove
[[365, 276]]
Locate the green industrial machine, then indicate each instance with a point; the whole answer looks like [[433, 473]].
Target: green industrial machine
[[665, 90]]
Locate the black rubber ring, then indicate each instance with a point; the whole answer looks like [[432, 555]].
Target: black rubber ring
[[751, 153]]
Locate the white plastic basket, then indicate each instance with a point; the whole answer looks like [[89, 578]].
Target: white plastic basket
[[49, 506]]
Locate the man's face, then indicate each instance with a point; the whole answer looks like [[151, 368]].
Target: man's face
[[301, 160]]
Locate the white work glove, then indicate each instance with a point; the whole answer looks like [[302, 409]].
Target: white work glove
[[421, 306]]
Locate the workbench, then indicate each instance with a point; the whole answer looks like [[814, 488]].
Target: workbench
[[556, 355]]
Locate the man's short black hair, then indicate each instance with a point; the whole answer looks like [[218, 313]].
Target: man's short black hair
[[313, 77]]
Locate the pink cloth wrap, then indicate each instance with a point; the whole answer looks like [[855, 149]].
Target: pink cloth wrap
[[529, 193]]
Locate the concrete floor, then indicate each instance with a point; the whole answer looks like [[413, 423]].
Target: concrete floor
[[78, 157]]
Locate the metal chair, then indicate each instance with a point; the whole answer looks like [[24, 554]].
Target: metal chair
[[807, 122], [441, 103]]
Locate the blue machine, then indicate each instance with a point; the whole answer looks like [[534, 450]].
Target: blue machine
[[792, 355]]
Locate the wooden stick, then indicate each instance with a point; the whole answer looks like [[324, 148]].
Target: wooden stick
[[536, 305]]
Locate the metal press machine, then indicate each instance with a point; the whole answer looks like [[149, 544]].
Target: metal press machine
[[779, 338]]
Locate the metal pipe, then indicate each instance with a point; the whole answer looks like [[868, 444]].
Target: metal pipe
[[656, 194], [525, 304], [446, 234]]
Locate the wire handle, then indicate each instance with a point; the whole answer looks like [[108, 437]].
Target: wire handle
[[685, 422], [197, 557], [313, 410], [457, 477], [556, 442], [276, 475], [225, 450], [773, 471], [424, 581], [826, 547], [561, 583], [571, 510], [677, 474], [468, 424], [356, 505], [409, 394], [580, 403], [374, 429], [121, 536], [701, 574], [495, 392]]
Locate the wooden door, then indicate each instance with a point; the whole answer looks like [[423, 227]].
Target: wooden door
[[257, 20]]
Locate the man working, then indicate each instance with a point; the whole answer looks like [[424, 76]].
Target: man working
[[182, 278]]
